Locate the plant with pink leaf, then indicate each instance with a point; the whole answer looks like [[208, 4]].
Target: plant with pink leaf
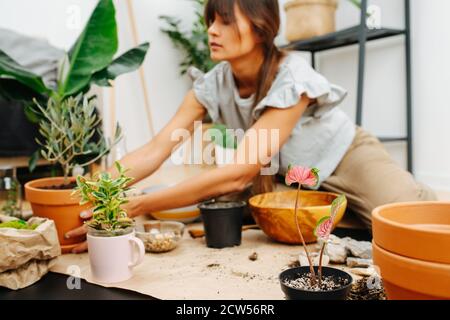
[[307, 177], [324, 228]]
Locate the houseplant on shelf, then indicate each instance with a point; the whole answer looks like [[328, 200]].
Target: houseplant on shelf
[[69, 125], [194, 43], [314, 282], [111, 236]]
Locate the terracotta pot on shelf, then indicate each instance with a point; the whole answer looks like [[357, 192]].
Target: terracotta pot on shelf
[[58, 205], [309, 18]]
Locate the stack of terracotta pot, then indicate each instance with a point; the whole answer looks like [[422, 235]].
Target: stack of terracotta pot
[[411, 247]]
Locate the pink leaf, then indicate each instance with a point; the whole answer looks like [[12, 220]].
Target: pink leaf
[[302, 175], [324, 227]]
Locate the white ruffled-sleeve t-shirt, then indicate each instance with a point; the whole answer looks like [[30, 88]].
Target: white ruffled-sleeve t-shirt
[[322, 135]]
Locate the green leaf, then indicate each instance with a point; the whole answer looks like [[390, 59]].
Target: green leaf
[[221, 136], [93, 51], [10, 69], [31, 113], [128, 62], [336, 204], [315, 172], [32, 162]]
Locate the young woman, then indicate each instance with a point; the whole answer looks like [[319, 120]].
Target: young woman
[[257, 87]]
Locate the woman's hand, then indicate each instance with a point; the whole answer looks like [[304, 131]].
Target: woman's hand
[[132, 209], [81, 231]]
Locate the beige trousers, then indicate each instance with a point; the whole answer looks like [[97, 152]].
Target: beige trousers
[[369, 177]]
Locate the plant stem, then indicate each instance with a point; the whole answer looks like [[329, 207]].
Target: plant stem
[[311, 268], [320, 262], [66, 173]]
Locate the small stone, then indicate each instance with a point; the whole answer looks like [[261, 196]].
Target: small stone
[[357, 262], [337, 253], [360, 249], [364, 272], [315, 257], [253, 256]]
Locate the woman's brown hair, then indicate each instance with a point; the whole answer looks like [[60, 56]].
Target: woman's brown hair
[[264, 15]]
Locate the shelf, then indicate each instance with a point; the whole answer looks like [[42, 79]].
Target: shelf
[[341, 38], [18, 162], [392, 139]]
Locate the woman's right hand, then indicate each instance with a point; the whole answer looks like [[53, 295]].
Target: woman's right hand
[[81, 231]]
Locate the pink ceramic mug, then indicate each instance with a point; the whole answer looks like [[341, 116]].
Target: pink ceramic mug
[[112, 259]]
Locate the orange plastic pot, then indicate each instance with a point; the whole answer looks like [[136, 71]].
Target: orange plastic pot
[[411, 279], [419, 230], [58, 205]]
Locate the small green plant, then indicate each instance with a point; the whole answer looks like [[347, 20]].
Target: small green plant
[[106, 195], [68, 128], [18, 224], [194, 43], [223, 136]]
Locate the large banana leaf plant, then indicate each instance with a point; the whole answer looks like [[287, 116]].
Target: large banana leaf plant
[[91, 60]]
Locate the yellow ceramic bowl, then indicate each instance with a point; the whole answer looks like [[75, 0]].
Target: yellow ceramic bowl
[[274, 213], [184, 215]]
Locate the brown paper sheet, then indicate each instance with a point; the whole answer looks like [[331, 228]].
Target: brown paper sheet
[[193, 271]]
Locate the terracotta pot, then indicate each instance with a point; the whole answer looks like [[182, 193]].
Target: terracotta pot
[[309, 18], [57, 205], [419, 230], [411, 279], [274, 213]]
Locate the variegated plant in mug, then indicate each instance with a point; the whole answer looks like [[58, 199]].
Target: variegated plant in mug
[[114, 250]]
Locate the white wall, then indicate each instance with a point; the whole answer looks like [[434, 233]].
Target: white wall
[[384, 90]]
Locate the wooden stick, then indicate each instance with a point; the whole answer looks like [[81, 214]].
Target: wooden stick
[[141, 70], [199, 233], [112, 121]]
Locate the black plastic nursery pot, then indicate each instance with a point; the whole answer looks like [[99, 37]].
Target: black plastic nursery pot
[[223, 223], [340, 293]]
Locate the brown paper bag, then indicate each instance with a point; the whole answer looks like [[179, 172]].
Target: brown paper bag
[[26, 275], [26, 255]]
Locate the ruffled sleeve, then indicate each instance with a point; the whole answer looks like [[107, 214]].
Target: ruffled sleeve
[[295, 78], [206, 89]]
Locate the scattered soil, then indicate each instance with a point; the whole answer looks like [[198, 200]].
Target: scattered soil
[[69, 186], [328, 283], [253, 256], [360, 291], [294, 264]]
